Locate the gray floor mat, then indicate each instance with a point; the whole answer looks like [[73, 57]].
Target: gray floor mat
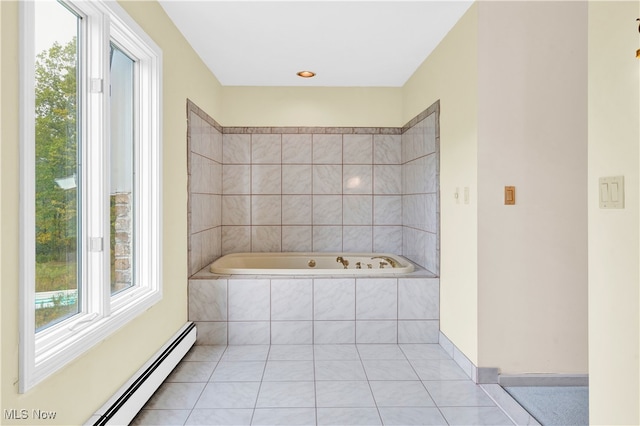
[[554, 405]]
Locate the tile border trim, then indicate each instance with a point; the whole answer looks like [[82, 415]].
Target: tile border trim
[[433, 109], [314, 130], [192, 107]]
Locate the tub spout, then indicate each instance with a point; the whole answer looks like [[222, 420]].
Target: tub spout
[[342, 260], [391, 262]]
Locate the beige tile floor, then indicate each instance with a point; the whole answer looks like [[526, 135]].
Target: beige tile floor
[[412, 384]]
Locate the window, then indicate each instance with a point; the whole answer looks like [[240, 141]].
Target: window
[[90, 179], [122, 69], [56, 165]]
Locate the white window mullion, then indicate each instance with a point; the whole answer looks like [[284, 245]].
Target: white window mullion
[[96, 156], [149, 160]]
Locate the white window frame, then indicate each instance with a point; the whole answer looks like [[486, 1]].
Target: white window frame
[[101, 314]]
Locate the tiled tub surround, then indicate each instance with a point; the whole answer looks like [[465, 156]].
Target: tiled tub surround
[[319, 310], [204, 144], [312, 191], [270, 189], [420, 190]]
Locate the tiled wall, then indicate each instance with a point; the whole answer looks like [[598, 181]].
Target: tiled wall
[[204, 142], [318, 189], [420, 190], [315, 310], [313, 189]]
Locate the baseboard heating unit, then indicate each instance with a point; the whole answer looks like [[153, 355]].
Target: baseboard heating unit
[[131, 397]]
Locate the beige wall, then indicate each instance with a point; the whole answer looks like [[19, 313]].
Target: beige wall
[[312, 106], [532, 134], [450, 75], [614, 136], [77, 390]]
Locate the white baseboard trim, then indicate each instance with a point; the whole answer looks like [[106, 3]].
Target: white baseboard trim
[[461, 359], [125, 404]]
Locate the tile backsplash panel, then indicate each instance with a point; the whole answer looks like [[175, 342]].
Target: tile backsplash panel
[[313, 189]]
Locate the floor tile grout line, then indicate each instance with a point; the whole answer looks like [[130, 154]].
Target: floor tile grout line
[[375, 402], [264, 369], [315, 382], [205, 385], [427, 390]]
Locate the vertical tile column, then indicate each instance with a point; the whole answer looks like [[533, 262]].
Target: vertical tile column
[[204, 168], [297, 192], [249, 312], [236, 193], [208, 309], [420, 204], [291, 311], [387, 194], [418, 310], [376, 310], [334, 301], [327, 205], [357, 188]]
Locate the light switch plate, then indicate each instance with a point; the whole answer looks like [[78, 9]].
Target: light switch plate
[[611, 190]]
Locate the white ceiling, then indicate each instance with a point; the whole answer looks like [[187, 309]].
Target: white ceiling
[[347, 43]]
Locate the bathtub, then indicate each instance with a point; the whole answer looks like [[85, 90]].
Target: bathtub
[[311, 264]]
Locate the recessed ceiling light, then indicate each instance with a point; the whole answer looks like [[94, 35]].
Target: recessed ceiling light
[[306, 74]]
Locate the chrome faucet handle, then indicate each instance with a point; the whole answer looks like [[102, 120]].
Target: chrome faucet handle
[[383, 264]]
